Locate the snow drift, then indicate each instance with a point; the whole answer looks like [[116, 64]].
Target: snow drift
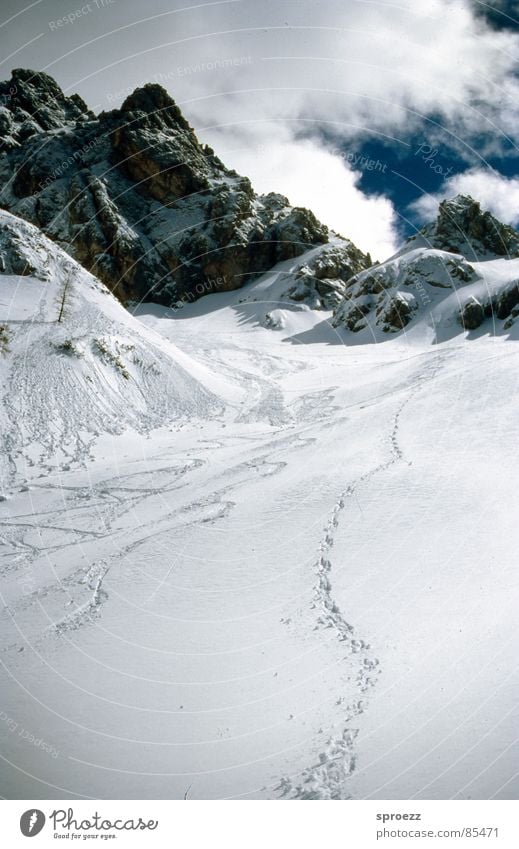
[[73, 362]]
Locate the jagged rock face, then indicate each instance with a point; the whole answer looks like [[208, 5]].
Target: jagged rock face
[[134, 197], [506, 303], [155, 146], [463, 227], [32, 102], [322, 282]]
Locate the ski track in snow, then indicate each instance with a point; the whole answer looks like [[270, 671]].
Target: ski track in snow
[[327, 779], [113, 498], [95, 544], [89, 611], [120, 495], [107, 503]]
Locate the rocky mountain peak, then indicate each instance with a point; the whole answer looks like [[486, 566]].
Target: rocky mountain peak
[[463, 227], [153, 100], [157, 147], [31, 102], [135, 197]]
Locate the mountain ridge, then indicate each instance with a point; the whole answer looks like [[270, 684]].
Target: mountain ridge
[[134, 197]]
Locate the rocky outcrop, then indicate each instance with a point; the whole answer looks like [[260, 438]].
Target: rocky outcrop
[[321, 283], [463, 227], [503, 304], [395, 312], [429, 281], [134, 196], [472, 314]]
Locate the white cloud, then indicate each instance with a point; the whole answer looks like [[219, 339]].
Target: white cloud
[[299, 68], [363, 67], [496, 193], [352, 69], [314, 177]]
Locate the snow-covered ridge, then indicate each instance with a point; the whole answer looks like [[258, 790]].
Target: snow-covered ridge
[[423, 291], [74, 363], [436, 291], [431, 286]]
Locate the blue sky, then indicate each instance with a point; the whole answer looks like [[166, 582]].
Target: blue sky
[[424, 167], [367, 111]]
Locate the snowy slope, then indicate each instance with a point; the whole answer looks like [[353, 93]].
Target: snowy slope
[[95, 370], [307, 595]]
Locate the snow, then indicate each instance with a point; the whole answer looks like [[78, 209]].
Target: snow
[[98, 370], [434, 283], [292, 579]]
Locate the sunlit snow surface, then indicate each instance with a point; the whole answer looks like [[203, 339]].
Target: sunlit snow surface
[[294, 579]]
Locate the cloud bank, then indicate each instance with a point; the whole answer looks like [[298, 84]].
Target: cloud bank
[[496, 193], [312, 176], [316, 78]]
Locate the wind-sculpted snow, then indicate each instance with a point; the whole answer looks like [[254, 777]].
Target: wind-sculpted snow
[[75, 363]]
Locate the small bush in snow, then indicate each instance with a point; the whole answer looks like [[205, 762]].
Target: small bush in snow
[[68, 347]]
